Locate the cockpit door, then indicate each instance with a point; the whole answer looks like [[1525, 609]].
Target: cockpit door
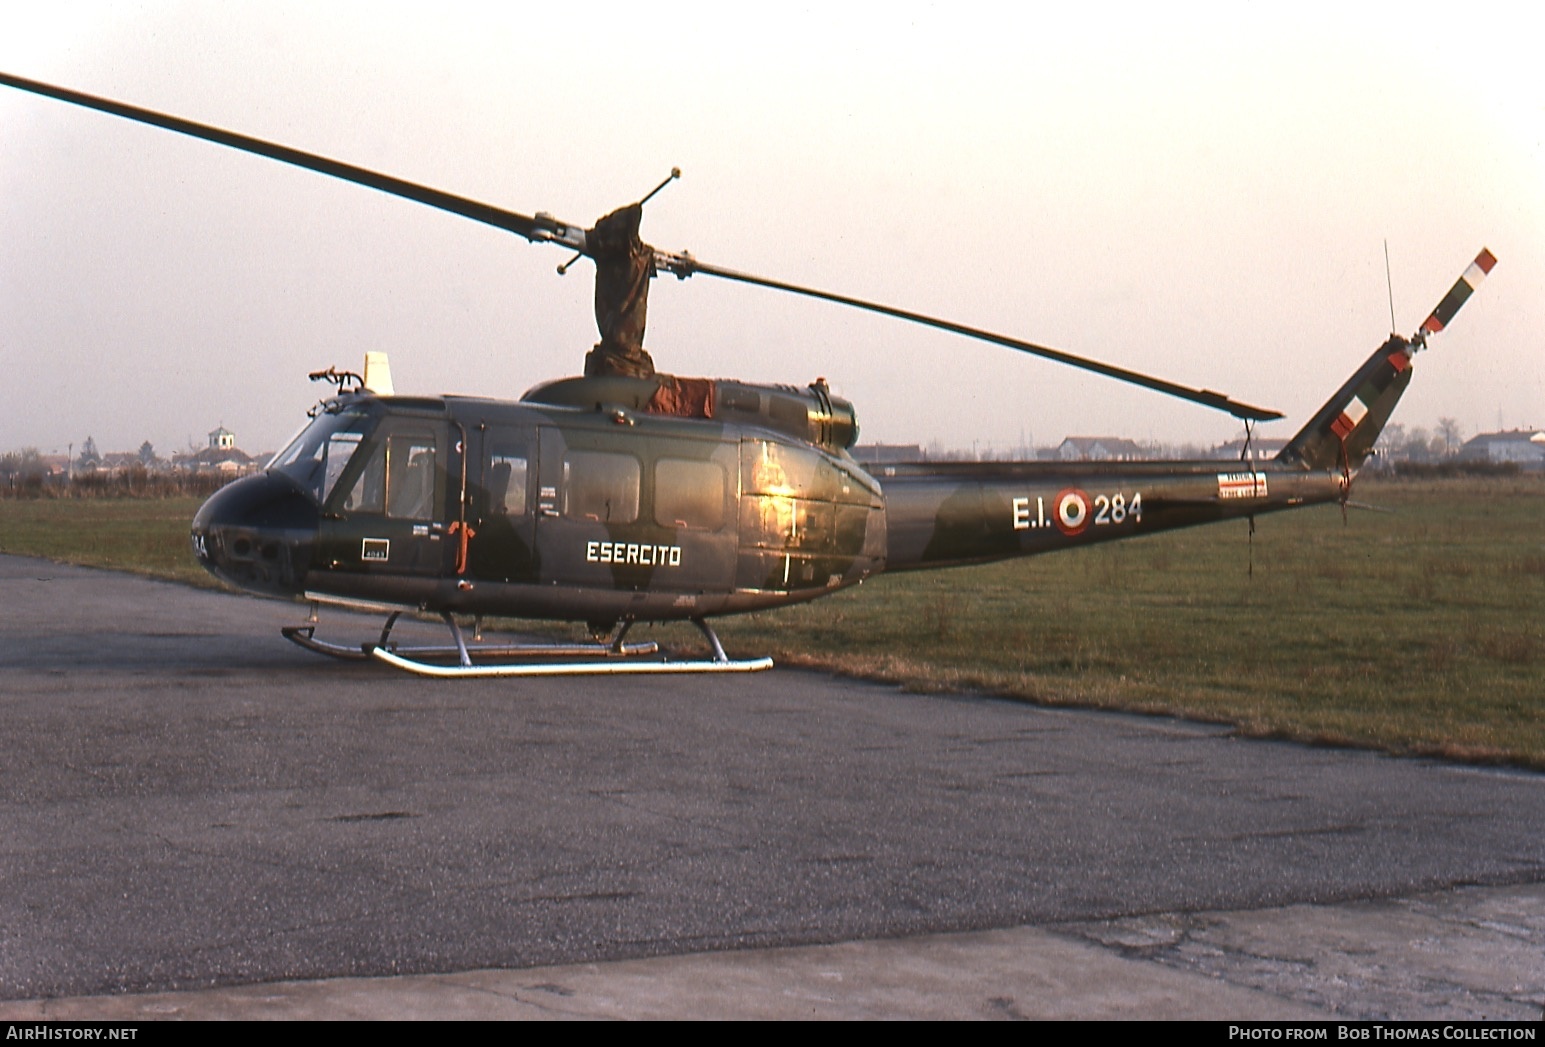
[[392, 510]]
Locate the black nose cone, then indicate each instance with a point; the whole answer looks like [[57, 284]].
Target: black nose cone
[[257, 533]]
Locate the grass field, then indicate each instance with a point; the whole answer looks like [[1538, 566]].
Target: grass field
[[1419, 631], [146, 536]]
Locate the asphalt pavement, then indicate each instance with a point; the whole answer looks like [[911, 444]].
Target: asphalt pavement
[[201, 820]]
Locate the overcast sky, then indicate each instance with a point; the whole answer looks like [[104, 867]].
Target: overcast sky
[[1201, 192]]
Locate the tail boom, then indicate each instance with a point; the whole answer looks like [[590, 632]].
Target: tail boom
[[949, 515]]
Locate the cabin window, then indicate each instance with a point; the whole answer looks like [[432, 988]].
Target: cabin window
[[410, 477], [600, 486], [506, 484], [340, 448], [399, 478], [689, 494], [506, 477], [315, 459], [369, 491]]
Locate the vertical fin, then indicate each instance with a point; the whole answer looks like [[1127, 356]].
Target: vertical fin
[[1341, 433]]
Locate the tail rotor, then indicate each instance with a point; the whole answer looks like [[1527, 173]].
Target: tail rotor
[[1342, 433]]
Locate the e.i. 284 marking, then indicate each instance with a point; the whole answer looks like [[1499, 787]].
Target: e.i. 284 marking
[[1072, 511]]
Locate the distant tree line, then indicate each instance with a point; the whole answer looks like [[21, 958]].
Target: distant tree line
[[24, 474], [1418, 445], [1445, 468]]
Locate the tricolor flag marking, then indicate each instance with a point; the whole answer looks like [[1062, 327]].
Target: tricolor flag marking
[[1241, 485], [1350, 415]]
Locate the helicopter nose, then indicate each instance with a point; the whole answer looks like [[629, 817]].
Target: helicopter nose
[[257, 533]]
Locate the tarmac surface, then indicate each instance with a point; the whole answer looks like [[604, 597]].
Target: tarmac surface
[[201, 820]]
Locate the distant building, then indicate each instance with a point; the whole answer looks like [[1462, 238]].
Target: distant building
[[1261, 448], [116, 463], [1523, 447], [874, 454], [221, 456], [1098, 449]]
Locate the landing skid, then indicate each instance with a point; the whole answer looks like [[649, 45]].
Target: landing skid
[[609, 657]]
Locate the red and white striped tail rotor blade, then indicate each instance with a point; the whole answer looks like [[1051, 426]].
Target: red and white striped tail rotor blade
[[1458, 294]]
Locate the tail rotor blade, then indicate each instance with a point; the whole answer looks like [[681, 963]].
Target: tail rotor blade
[[1460, 293]]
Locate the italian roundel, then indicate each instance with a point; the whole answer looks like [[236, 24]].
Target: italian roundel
[[1072, 511]]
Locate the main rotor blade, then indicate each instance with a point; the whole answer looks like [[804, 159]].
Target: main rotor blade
[[523, 225], [1457, 296], [542, 228], [686, 265]]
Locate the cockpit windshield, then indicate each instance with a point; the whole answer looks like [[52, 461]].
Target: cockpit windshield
[[315, 458]]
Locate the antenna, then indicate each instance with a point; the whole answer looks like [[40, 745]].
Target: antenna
[[1391, 285]]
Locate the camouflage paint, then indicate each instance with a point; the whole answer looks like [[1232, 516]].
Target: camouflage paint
[[793, 520]]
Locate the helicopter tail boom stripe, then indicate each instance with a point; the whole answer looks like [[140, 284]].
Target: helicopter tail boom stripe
[[1460, 293]]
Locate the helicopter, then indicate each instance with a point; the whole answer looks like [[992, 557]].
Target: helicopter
[[627, 495]]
